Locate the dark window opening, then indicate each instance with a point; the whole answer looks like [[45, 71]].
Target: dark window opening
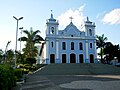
[[52, 44], [71, 35], [90, 32], [81, 60], [72, 58], [90, 45], [52, 30], [72, 45], [80, 46], [63, 46], [63, 58]]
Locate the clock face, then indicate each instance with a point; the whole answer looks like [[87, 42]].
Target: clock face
[[52, 30]]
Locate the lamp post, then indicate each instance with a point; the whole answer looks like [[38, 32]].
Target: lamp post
[[16, 36], [20, 37]]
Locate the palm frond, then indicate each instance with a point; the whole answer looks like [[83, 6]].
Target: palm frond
[[23, 39], [36, 32]]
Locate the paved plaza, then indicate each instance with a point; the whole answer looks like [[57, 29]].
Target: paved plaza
[[88, 77], [71, 82]]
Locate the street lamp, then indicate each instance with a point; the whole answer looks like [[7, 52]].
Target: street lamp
[[16, 37], [20, 37]]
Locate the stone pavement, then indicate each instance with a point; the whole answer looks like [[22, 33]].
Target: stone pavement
[[70, 82], [37, 82], [86, 82]]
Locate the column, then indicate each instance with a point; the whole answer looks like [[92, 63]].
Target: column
[[95, 50], [87, 56], [57, 51], [47, 52]]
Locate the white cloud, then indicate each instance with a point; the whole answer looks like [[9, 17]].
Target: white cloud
[[77, 14], [112, 17]]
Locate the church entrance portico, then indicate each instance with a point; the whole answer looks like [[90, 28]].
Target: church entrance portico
[[52, 58], [72, 58]]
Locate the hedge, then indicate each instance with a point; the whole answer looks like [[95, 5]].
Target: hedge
[[7, 77]]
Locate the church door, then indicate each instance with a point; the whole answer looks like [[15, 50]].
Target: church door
[[81, 58], [72, 58], [91, 58], [63, 58], [52, 58]]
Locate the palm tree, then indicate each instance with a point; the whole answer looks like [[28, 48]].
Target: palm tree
[[31, 39], [6, 48], [9, 57], [100, 41], [1, 55]]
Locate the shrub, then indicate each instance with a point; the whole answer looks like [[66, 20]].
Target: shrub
[[18, 73], [20, 66], [26, 71], [31, 60], [7, 78], [27, 66]]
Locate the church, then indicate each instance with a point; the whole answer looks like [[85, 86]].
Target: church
[[69, 45]]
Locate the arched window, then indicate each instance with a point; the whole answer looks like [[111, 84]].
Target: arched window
[[63, 58], [52, 44], [72, 45], [90, 45], [91, 58], [63, 46], [81, 59], [72, 58], [52, 58], [80, 46], [52, 30], [90, 32]]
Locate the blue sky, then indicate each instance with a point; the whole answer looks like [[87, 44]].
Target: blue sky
[[105, 13]]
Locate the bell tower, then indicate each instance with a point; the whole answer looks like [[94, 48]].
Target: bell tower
[[89, 28], [52, 26], [51, 41]]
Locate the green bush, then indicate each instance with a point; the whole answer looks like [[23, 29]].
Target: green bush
[[27, 66], [7, 78], [26, 71], [31, 60], [18, 73]]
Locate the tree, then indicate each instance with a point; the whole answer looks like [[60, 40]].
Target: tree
[[100, 41], [111, 51], [9, 57], [1, 56], [30, 50], [6, 48]]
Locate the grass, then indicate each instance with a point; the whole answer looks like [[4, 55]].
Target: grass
[[79, 69]]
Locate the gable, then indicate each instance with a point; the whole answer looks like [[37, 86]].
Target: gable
[[71, 30]]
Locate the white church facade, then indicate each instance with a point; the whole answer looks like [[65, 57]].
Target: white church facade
[[70, 45]]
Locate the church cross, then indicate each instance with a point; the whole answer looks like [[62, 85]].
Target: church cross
[[71, 18], [51, 11]]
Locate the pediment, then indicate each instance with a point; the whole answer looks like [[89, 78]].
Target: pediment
[[71, 29]]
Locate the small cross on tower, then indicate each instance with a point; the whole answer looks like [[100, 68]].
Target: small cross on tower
[[51, 14], [71, 18], [51, 11]]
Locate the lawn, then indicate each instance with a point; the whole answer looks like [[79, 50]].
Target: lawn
[[79, 69]]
